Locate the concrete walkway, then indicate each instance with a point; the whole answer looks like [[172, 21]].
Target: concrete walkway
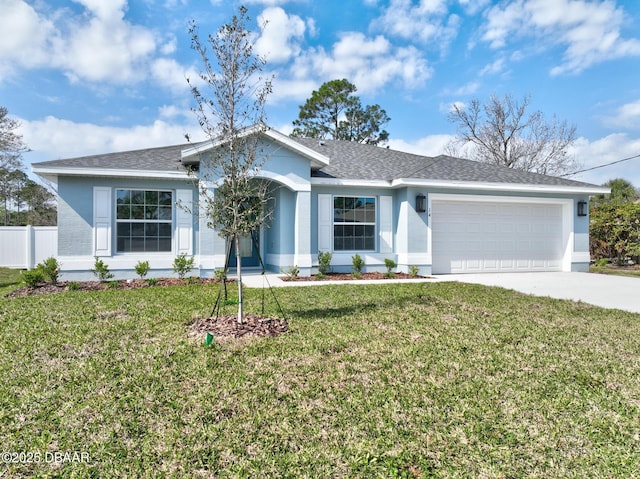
[[613, 292], [607, 291]]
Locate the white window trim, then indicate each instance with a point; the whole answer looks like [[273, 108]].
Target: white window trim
[[172, 222], [375, 225]]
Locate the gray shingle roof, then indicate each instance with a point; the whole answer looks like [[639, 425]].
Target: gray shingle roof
[[348, 160], [166, 158]]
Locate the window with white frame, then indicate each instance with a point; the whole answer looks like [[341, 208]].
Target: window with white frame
[[144, 220], [354, 223]]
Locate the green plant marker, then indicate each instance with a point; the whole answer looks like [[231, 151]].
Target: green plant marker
[[208, 339]]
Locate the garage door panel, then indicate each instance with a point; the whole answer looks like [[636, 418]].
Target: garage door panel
[[486, 236]]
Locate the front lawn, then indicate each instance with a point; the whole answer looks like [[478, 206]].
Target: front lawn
[[400, 380], [632, 270]]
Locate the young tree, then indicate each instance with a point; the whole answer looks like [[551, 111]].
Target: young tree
[[333, 111], [502, 132], [230, 109]]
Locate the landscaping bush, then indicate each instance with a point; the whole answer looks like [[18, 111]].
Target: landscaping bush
[[182, 265], [413, 271], [390, 265], [101, 270], [324, 263], [292, 273], [142, 269], [50, 269], [32, 277], [357, 264]]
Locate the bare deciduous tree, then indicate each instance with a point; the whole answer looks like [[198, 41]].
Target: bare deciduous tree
[[230, 99], [503, 132]]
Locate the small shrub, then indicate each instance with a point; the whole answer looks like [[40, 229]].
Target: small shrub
[[33, 277], [192, 280], [142, 268], [220, 274], [50, 269], [101, 270], [357, 264], [152, 281], [389, 264], [113, 284], [292, 272], [601, 263], [73, 286], [324, 263], [182, 265], [413, 271]]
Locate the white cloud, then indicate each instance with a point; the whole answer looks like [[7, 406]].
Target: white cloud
[[107, 47], [428, 21], [54, 138], [97, 45], [281, 35], [606, 150], [431, 145], [369, 63], [627, 116], [590, 32], [25, 37]]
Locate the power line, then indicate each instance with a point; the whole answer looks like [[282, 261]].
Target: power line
[[600, 166]]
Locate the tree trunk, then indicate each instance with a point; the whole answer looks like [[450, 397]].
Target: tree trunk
[[239, 273]]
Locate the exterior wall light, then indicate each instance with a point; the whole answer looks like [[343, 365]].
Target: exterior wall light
[[582, 208], [421, 203]]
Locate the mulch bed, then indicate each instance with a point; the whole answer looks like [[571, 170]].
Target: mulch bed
[[227, 326], [48, 288], [347, 276]]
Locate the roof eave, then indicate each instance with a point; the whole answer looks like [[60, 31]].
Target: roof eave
[[54, 172], [463, 185], [495, 186]]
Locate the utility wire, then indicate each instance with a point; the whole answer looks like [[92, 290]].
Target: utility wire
[[600, 166]]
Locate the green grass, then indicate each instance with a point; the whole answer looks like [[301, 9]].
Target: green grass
[[428, 380], [9, 279], [615, 270]]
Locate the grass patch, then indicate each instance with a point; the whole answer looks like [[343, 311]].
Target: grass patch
[[9, 279], [632, 271], [401, 380]]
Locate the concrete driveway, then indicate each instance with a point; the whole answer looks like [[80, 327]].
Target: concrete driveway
[[614, 292]]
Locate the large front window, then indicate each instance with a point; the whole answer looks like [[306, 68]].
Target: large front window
[[354, 223], [143, 220]]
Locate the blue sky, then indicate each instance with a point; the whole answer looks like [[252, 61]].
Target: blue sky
[[95, 76]]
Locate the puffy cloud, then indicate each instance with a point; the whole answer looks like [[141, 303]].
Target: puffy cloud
[[25, 37], [428, 21], [608, 149], [590, 32], [369, 63], [107, 48], [431, 145], [54, 138], [98, 45], [627, 116], [281, 34]]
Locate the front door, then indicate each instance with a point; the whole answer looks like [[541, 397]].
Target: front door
[[249, 251]]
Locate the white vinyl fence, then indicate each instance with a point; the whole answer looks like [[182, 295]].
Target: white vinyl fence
[[25, 246]]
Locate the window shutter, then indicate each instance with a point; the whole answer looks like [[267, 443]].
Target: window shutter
[[184, 222], [102, 221], [325, 222], [386, 224]]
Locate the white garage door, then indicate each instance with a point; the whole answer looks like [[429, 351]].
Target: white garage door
[[478, 236]]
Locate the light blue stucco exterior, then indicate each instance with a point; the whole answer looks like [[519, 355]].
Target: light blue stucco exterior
[[296, 231]]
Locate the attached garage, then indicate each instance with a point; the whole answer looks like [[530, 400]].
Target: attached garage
[[487, 234]]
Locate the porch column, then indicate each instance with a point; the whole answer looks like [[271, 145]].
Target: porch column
[[302, 233]]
